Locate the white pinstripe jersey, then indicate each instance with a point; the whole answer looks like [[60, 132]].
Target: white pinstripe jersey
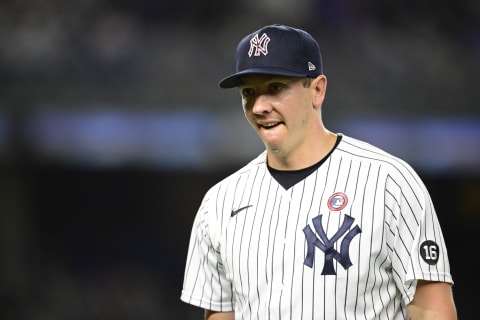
[[346, 242]]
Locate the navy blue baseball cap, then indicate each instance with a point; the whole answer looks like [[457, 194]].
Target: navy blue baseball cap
[[277, 50]]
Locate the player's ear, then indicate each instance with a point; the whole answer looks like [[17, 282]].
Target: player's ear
[[319, 87]]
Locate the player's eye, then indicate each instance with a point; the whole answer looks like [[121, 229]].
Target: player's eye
[[275, 87], [247, 92]]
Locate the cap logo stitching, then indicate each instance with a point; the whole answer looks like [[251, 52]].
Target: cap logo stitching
[[260, 45], [311, 66]]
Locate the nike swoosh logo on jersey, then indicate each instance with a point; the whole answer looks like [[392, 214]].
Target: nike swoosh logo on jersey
[[234, 212]]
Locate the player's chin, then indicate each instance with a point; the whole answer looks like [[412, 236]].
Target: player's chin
[[273, 140]]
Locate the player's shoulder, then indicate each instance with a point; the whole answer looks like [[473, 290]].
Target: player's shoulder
[[359, 146], [360, 149], [252, 165]]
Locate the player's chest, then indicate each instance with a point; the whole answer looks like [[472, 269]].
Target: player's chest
[[298, 228]]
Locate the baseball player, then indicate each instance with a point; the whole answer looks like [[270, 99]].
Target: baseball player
[[319, 225]]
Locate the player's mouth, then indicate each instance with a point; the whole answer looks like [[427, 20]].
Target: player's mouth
[[269, 125]]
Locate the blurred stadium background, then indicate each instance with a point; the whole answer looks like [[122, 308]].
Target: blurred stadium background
[[112, 127]]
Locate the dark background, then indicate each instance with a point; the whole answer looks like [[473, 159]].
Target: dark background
[[112, 127]]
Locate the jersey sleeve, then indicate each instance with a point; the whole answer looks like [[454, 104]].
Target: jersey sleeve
[[205, 284], [419, 250]]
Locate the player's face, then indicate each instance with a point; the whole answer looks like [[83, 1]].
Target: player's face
[[280, 109]]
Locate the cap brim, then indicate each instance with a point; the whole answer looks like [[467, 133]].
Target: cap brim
[[234, 79]]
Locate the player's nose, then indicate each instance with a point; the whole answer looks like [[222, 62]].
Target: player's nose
[[261, 104]]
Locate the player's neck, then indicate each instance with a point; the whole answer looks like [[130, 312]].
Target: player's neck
[[304, 157]]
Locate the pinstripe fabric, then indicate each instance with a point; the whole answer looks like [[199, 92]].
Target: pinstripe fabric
[[255, 262]]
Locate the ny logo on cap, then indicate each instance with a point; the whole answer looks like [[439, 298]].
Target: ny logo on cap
[[259, 44]]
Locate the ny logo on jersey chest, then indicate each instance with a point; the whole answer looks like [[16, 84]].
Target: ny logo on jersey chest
[[326, 244]]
